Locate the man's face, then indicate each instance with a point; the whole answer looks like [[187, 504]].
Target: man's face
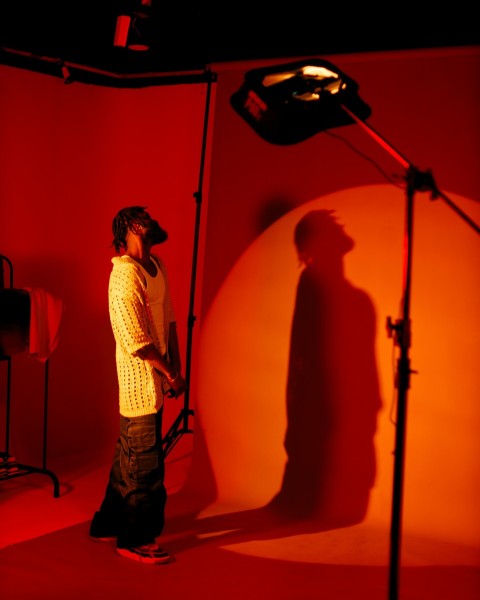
[[154, 233]]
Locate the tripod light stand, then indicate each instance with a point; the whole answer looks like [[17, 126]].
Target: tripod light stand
[[288, 103], [181, 423]]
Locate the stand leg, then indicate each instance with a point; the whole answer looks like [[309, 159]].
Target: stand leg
[[22, 470], [10, 468]]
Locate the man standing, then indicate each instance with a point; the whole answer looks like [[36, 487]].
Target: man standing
[[148, 368]]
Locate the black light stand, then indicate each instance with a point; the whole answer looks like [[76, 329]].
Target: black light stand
[[286, 104], [181, 423], [401, 330]]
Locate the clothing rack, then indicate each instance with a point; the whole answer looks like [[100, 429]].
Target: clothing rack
[[9, 467]]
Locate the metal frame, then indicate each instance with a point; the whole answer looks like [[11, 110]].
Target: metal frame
[[9, 467]]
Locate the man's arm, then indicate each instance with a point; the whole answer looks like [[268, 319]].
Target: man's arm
[[151, 355]]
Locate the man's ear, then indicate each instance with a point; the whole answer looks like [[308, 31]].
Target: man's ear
[[137, 229]]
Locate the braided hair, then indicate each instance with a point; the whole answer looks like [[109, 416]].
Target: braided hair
[[124, 220]]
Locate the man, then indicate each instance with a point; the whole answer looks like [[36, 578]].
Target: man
[[148, 368]]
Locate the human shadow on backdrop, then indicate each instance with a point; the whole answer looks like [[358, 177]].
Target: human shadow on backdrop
[[333, 393], [332, 397]]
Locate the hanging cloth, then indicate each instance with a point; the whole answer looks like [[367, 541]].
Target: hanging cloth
[[46, 312]]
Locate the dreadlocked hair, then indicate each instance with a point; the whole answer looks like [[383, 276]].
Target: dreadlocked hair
[[123, 221]]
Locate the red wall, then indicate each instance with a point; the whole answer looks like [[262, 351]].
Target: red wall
[[71, 156]]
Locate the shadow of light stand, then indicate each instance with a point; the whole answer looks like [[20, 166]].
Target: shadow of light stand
[[286, 104]]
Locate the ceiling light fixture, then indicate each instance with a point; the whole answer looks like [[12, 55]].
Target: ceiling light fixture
[[131, 25]]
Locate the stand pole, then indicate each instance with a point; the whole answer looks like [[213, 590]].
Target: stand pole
[[181, 423], [421, 181], [402, 330]]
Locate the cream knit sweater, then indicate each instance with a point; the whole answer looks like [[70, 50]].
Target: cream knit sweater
[[140, 386]]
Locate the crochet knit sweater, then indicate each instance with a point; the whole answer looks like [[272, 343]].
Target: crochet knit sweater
[[140, 385]]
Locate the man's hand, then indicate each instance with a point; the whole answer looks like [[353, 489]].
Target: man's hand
[[177, 383]]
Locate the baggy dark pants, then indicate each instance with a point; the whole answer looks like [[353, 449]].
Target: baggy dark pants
[[133, 508]]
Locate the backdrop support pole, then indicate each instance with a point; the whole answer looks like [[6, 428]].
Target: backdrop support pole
[[181, 425]]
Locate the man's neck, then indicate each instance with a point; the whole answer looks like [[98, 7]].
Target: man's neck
[[144, 258]]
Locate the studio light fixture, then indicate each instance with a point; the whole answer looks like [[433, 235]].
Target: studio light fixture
[[131, 29], [289, 103], [66, 74]]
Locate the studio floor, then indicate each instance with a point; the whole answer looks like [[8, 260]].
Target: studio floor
[[219, 553]]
